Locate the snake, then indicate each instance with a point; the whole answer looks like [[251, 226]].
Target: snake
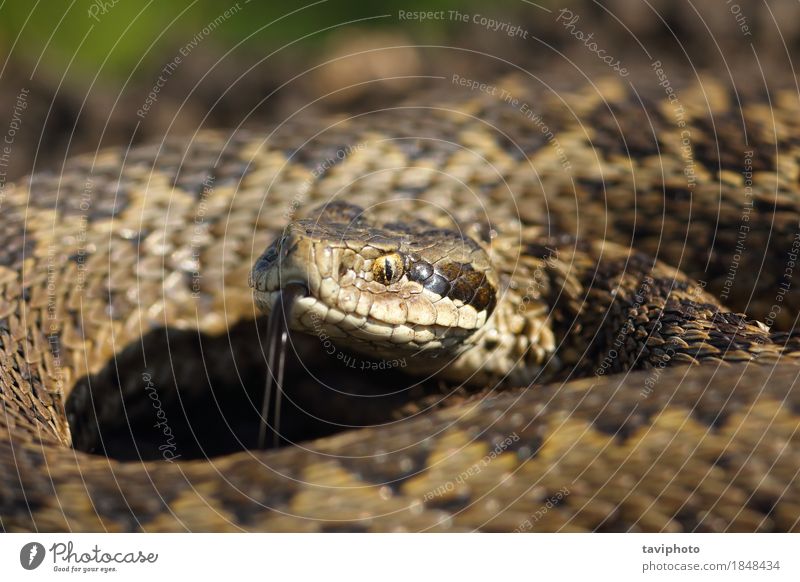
[[563, 306]]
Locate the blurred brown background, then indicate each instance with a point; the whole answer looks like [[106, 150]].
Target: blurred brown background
[[86, 70]]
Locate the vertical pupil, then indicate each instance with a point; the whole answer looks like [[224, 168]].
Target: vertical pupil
[[387, 269]]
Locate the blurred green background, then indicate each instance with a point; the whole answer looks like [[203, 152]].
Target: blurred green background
[[96, 35], [90, 64]]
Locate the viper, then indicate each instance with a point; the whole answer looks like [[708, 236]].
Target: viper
[[575, 315]]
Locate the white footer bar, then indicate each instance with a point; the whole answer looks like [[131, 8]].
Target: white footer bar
[[401, 557]]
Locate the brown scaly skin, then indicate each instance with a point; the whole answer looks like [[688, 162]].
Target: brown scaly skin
[[696, 454], [563, 306], [163, 239]]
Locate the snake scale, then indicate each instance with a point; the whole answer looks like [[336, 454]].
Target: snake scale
[[608, 241]]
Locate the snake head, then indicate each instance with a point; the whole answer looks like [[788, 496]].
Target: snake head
[[379, 287]]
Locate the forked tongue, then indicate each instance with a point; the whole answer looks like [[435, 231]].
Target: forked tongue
[[277, 336]]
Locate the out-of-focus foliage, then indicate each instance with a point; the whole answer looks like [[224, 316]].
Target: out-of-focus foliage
[[113, 35]]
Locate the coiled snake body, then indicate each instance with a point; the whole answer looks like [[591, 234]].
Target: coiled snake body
[[538, 253]]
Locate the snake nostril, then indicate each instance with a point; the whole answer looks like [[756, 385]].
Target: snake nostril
[[258, 274], [268, 258]]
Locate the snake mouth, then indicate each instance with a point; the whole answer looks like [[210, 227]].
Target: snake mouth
[[370, 297]]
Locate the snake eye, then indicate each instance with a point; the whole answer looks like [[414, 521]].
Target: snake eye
[[388, 269]]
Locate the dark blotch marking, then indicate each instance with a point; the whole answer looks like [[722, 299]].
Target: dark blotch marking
[[451, 271], [674, 194], [14, 245], [450, 504], [723, 139], [710, 415], [339, 212], [622, 423], [122, 505], [482, 294], [484, 298], [393, 471], [437, 284], [625, 129], [466, 285], [349, 527], [409, 226], [548, 248], [461, 290], [420, 271], [252, 506]]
